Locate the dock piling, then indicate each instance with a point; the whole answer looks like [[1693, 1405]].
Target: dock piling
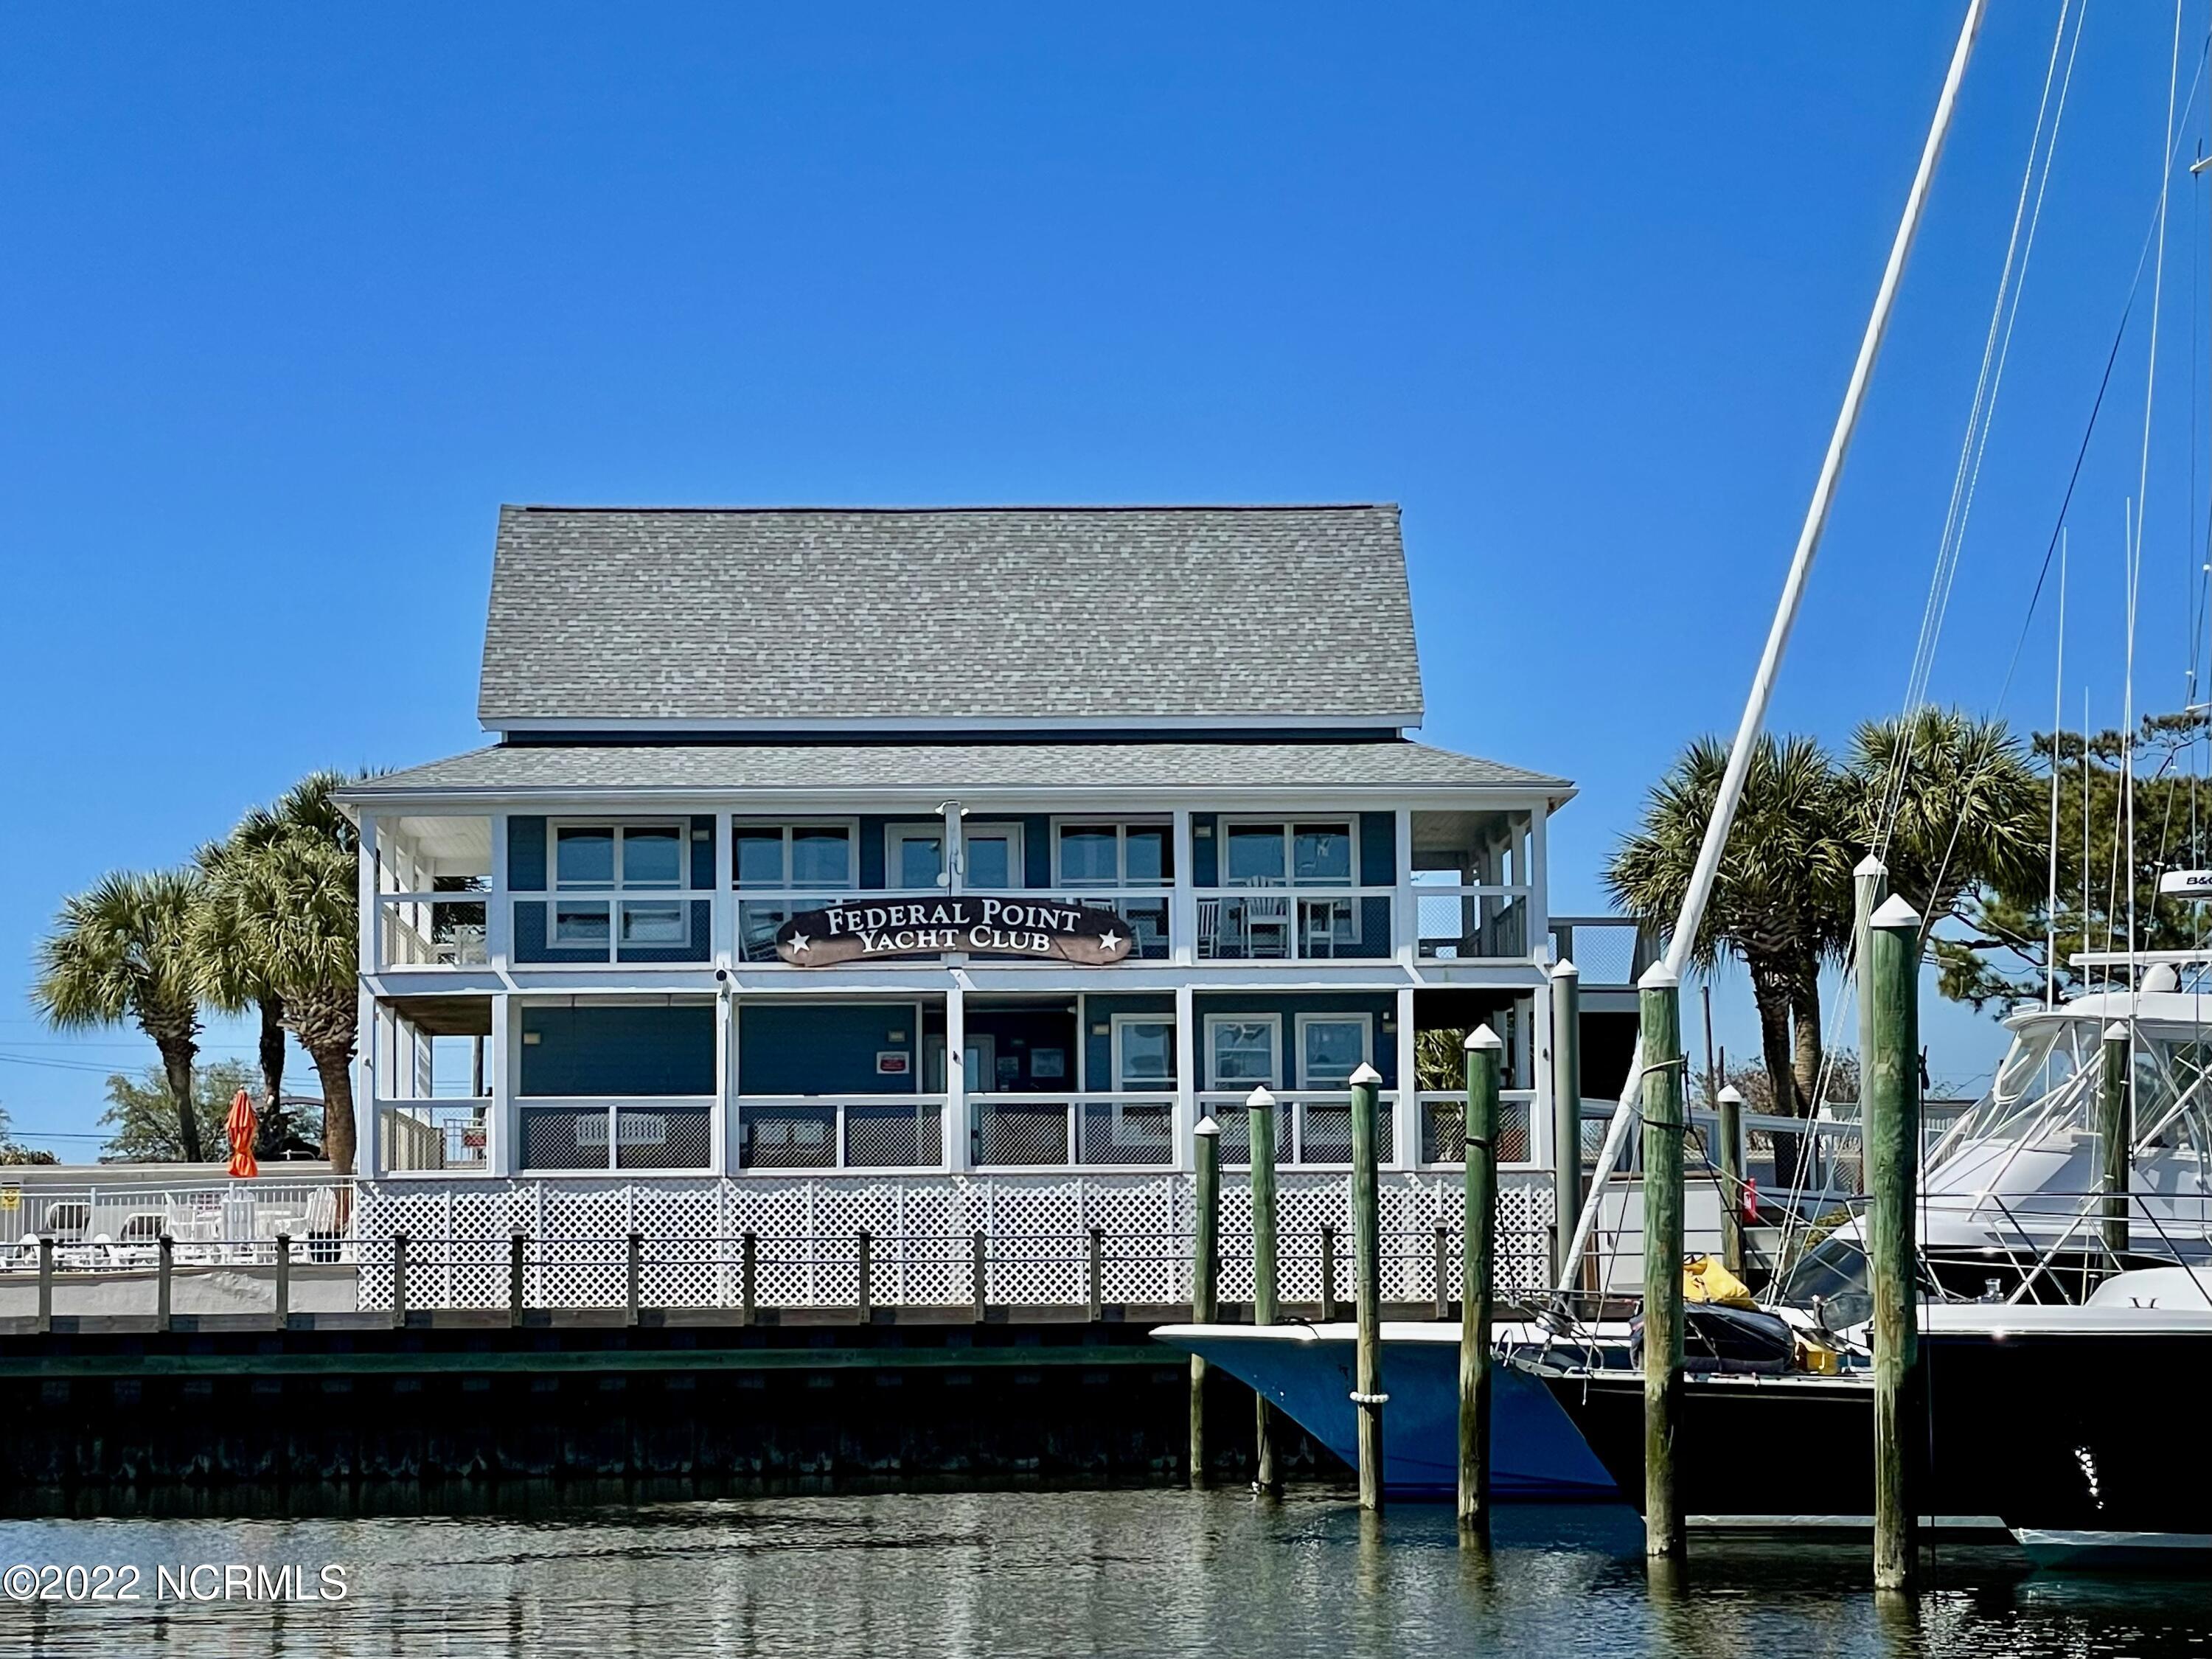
[[45, 1286], [165, 1259], [514, 1254], [1204, 1276], [1478, 1273], [2115, 1138], [1440, 1271], [1367, 1267], [1566, 1111], [399, 1280], [284, 1281], [1259, 1115], [1661, 1014], [633, 1275], [1328, 1308], [864, 1266], [1096, 1296], [749, 1279], [1728, 1105], [1891, 1129], [979, 1276]]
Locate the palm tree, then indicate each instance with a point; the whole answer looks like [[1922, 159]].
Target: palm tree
[[1781, 900], [122, 951], [232, 978], [282, 920], [1951, 804]]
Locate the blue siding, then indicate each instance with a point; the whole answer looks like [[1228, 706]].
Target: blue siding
[[1206, 849], [526, 854], [1378, 849], [1036, 851], [872, 853], [703, 854], [1098, 1047], [790, 1048], [620, 1050]]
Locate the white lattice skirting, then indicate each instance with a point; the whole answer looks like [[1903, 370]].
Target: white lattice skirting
[[920, 1232]]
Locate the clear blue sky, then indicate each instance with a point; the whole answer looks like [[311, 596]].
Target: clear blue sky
[[296, 296]]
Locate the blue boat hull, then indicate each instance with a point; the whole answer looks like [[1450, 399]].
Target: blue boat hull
[[1536, 1450]]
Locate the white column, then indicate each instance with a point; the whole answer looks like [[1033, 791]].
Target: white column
[[367, 1157], [1182, 901], [1405, 1143], [726, 1087], [724, 896], [959, 1151], [502, 1149], [1540, 905], [1540, 1100], [499, 906], [953, 877], [372, 918], [1186, 1110]]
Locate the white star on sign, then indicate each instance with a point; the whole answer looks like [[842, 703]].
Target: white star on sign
[[800, 943], [1109, 942]]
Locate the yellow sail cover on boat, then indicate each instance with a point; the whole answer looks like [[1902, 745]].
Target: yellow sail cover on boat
[[1705, 1280]]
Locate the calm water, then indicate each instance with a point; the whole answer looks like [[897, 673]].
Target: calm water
[[1140, 1573]]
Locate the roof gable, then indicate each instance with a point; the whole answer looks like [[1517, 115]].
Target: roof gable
[[793, 619]]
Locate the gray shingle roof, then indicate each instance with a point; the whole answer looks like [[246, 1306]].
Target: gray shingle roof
[[948, 769], [681, 616]]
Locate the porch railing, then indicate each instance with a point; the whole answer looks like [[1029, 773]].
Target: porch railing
[[860, 1132], [1114, 1131], [1457, 923], [676, 1133], [1313, 1126], [413, 1135], [1301, 924]]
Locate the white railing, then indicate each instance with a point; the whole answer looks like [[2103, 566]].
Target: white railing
[[1313, 1126], [840, 1131], [1293, 924], [117, 1224], [421, 1135], [1090, 1130], [1471, 923], [674, 1133], [432, 930], [1443, 1129]]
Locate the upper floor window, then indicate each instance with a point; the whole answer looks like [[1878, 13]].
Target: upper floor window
[[620, 859], [1304, 854], [1115, 855], [797, 857]]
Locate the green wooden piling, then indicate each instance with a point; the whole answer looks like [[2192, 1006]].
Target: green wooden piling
[[1662, 1029], [283, 1315], [1891, 1125], [2115, 1138], [1477, 1273], [1204, 1276], [1367, 1269], [1566, 1113], [1260, 1116], [1728, 1104], [165, 1272]]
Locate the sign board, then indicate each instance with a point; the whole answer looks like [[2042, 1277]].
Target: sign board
[[986, 924], [2185, 883], [891, 1063]]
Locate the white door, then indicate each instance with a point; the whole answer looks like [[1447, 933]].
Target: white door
[[982, 1056]]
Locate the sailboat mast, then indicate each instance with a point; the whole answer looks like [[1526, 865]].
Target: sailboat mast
[[1730, 795]]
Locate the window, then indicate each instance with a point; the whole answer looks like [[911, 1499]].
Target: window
[[794, 857], [620, 859], [1144, 1052], [1115, 855], [916, 859], [1331, 1047], [1311, 854], [991, 857], [1243, 1050]]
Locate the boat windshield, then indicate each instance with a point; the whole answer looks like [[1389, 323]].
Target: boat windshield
[[2043, 1059], [1834, 1270], [2047, 1082]]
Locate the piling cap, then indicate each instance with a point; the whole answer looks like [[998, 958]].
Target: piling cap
[[1206, 1126], [2117, 1031], [1731, 1094], [1258, 1101], [1869, 866], [1366, 1073], [1564, 968], [1483, 1038], [1658, 978], [1894, 912]]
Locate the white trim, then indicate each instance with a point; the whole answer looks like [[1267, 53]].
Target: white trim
[[1274, 1024], [1401, 721], [1305, 1020], [1114, 1051]]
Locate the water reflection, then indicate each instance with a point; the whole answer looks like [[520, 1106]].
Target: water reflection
[[1149, 1573]]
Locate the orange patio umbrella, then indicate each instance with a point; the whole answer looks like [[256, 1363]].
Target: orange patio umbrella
[[238, 1125]]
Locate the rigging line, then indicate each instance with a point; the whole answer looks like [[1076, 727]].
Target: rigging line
[[2143, 499], [1947, 571]]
